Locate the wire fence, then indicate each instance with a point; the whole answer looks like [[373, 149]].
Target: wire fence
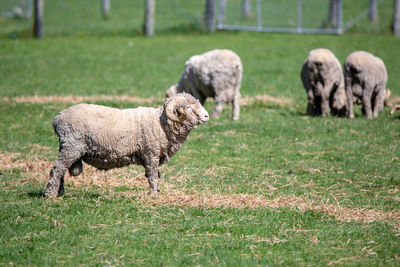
[[84, 17]]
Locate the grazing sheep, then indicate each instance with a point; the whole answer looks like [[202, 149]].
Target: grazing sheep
[[217, 74], [365, 79], [322, 78], [109, 138], [394, 109]]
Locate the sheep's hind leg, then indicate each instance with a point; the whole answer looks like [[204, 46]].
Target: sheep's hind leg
[[55, 186], [366, 102], [311, 102], [378, 103], [217, 109], [235, 108]]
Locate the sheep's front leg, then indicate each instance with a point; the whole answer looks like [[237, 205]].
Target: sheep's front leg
[[153, 177], [325, 92]]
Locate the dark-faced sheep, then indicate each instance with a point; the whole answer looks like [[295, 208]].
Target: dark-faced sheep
[[365, 78], [108, 138], [216, 74], [322, 78]]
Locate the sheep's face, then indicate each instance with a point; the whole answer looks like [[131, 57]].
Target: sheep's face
[[196, 114], [173, 90], [185, 109]]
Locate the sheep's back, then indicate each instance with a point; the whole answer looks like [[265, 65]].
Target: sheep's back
[[216, 72], [366, 67], [330, 65], [110, 136]]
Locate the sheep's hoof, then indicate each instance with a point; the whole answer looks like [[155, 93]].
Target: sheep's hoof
[[154, 193], [50, 195]]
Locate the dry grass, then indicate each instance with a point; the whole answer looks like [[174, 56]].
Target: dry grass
[[244, 101], [37, 170], [281, 101], [79, 99]]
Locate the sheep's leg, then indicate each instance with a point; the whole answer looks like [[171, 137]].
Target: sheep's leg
[[153, 176], [218, 109], [366, 100], [235, 107], [55, 186], [325, 93], [311, 101], [349, 94], [379, 100]]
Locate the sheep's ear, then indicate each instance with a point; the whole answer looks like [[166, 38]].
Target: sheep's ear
[[181, 113]]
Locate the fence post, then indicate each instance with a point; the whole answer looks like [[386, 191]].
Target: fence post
[[38, 21], [299, 17], [333, 12], [221, 16], [246, 9], [396, 18], [105, 8], [209, 15], [373, 11], [150, 7]]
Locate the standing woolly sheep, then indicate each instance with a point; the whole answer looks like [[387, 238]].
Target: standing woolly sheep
[[217, 74], [108, 138], [365, 78], [322, 78]]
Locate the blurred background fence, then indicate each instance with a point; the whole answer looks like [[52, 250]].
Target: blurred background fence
[[85, 17]]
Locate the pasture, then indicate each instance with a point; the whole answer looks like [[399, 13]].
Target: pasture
[[275, 187]]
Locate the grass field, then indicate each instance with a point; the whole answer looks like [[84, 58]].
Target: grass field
[[275, 187]]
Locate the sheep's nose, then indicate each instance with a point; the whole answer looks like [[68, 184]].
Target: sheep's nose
[[204, 118]]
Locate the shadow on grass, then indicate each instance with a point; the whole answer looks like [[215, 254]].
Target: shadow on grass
[[36, 193], [39, 193]]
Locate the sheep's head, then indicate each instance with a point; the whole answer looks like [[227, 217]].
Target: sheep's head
[[184, 107], [394, 109], [173, 90]]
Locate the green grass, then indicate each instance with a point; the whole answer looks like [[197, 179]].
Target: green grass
[[272, 151]]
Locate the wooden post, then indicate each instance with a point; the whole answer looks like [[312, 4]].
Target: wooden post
[[373, 11], [105, 8], [38, 21], [150, 8], [209, 15], [333, 13], [246, 9], [396, 18]]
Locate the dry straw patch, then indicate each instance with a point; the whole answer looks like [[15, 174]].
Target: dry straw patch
[[38, 170], [244, 101], [78, 99], [281, 101]]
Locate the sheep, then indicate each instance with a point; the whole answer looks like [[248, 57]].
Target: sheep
[[394, 109], [365, 79], [322, 78], [108, 138], [216, 73]]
